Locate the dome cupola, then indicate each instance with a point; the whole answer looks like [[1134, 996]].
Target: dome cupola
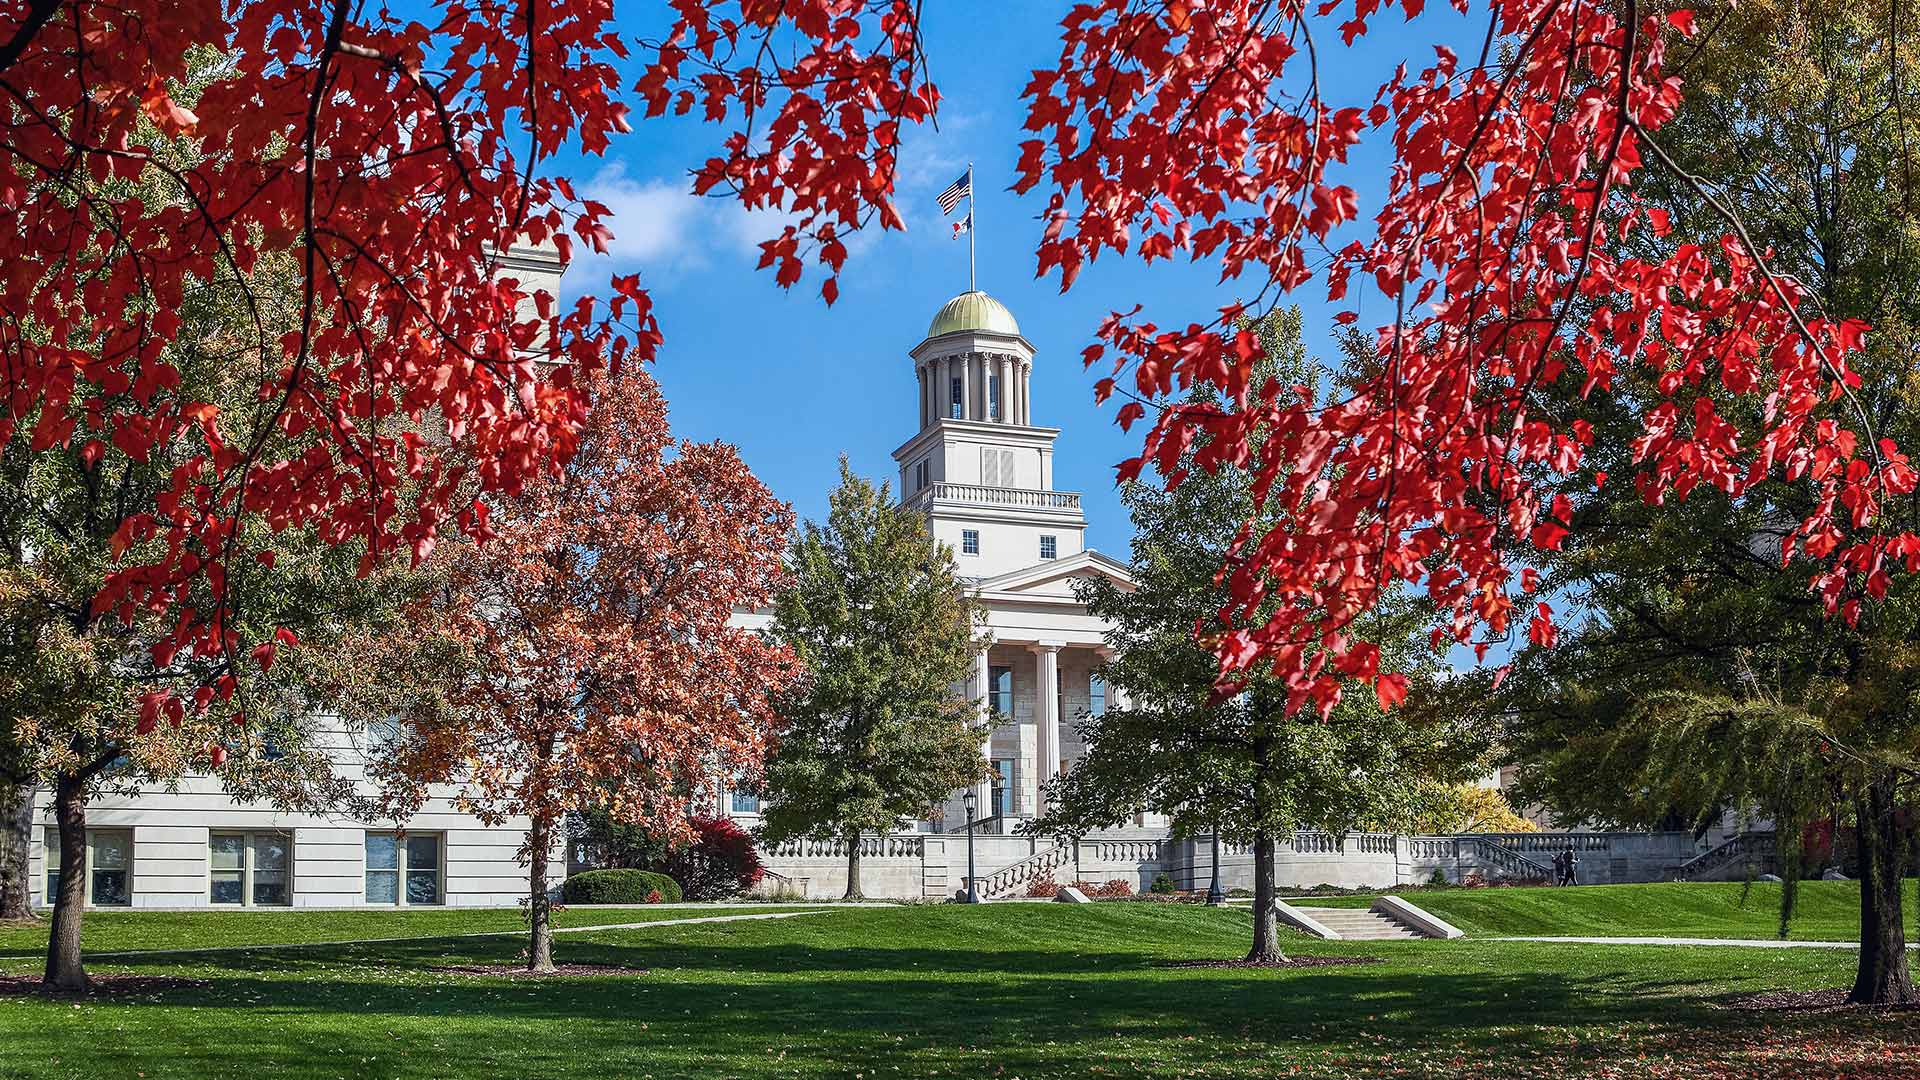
[[974, 311]]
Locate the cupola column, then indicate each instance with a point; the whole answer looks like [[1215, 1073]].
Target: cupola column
[[1005, 365]]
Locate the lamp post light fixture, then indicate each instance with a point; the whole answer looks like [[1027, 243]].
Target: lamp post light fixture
[[971, 801], [1215, 897]]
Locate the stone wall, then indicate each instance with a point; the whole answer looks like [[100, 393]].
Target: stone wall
[[934, 865]]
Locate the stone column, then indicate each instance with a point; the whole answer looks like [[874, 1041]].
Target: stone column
[[966, 387], [1026, 393], [1005, 371], [983, 791], [1047, 709], [921, 371]]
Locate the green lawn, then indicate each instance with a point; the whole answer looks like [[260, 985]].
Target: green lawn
[[1825, 911], [1018, 990], [120, 931]]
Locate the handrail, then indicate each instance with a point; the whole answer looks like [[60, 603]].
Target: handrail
[[1010, 877], [1725, 852]]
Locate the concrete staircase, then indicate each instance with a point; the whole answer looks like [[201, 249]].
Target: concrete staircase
[[1359, 924]]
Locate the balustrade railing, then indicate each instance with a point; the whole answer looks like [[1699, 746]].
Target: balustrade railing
[[980, 494], [871, 847], [1717, 857], [1009, 879]]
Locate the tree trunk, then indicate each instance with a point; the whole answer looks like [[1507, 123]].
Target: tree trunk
[[1882, 977], [1266, 922], [16, 840], [64, 968], [853, 868], [539, 908]]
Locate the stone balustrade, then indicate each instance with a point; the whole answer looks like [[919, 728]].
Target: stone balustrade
[[934, 865]]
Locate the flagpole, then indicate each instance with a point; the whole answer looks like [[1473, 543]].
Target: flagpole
[[973, 226]]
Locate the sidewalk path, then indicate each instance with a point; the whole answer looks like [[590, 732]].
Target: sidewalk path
[[643, 925], [1742, 943]]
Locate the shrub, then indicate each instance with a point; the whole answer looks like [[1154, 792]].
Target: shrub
[[1041, 889], [1112, 890], [1439, 878], [1162, 884], [620, 887], [722, 861]]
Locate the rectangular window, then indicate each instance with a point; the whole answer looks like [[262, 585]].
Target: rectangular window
[[1003, 787], [990, 467], [745, 802], [920, 472], [955, 390], [423, 869], [993, 396], [109, 869], [1049, 547], [250, 869], [969, 541], [227, 865], [1096, 696], [403, 870], [1000, 691]]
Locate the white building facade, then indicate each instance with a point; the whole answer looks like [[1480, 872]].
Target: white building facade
[[981, 470], [190, 844]]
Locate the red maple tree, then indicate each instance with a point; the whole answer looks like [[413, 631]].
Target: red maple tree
[[397, 158], [598, 668]]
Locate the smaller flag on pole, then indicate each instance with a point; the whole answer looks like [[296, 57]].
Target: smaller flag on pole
[[963, 226], [959, 189]]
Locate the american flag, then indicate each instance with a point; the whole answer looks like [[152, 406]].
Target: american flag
[[959, 189]]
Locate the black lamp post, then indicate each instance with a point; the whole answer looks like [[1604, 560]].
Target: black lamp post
[[971, 802], [1215, 897]]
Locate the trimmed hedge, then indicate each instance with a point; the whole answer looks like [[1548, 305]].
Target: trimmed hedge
[[620, 887]]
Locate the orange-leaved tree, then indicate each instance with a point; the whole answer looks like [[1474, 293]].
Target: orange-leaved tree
[[596, 664]]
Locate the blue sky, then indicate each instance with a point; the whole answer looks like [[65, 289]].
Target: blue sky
[[795, 384]]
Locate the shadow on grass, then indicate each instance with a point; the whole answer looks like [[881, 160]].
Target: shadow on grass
[[930, 993], [1033, 1012]]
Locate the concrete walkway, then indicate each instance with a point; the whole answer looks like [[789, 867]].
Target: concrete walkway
[[1740, 943], [644, 925]]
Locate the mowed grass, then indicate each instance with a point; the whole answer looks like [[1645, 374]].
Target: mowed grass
[[1017, 990], [1824, 910], [127, 931]]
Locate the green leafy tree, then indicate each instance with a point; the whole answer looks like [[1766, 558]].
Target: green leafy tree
[[1257, 760], [884, 632], [1706, 677]]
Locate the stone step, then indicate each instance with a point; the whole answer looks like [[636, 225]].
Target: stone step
[[1357, 924]]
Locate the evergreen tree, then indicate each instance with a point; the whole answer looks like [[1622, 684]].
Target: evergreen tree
[[884, 632], [1256, 760], [1707, 676]]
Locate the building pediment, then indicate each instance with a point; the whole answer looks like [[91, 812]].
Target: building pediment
[[1055, 577]]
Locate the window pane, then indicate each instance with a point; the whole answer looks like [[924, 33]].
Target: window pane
[[423, 852], [228, 852], [270, 852], [383, 852], [110, 888], [744, 803], [110, 850], [271, 888], [226, 887], [383, 886], [53, 885], [423, 887]]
